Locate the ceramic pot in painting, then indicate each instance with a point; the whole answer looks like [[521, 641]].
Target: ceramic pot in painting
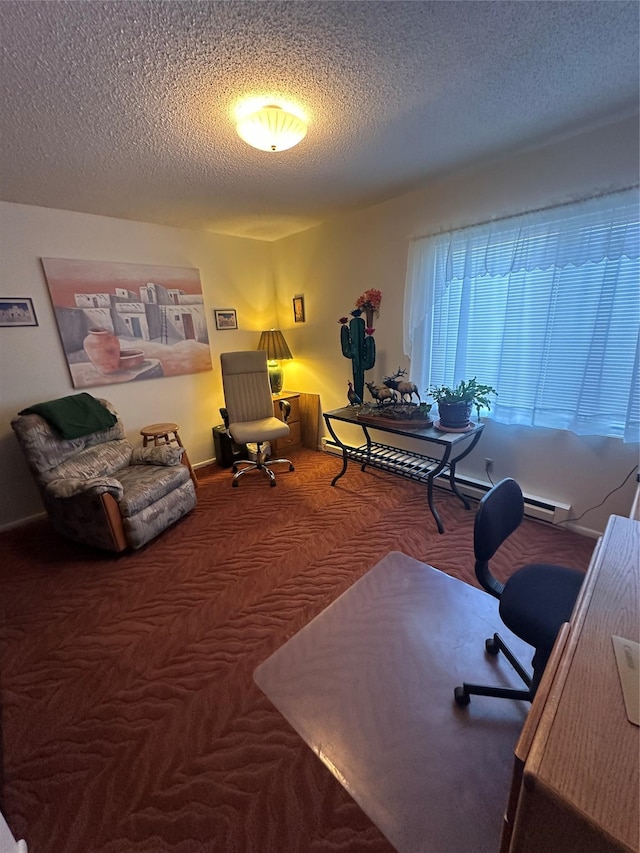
[[131, 359], [103, 349]]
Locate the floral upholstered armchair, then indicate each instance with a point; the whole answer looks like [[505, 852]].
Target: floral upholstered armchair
[[97, 489]]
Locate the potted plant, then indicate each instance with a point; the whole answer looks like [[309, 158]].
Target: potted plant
[[455, 403]]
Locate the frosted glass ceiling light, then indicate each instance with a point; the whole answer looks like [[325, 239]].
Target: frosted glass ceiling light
[[271, 128]]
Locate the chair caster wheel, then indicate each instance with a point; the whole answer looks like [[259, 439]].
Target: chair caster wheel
[[462, 697], [235, 484], [291, 468], [273, 484], [491, 647]]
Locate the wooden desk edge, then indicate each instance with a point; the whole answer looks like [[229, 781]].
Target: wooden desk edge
[[550, 678], [534, 739]]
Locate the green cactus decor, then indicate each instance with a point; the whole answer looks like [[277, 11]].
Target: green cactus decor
[[360, 348], [357, 338]]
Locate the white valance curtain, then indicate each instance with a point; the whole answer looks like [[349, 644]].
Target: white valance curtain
[[544, 306]]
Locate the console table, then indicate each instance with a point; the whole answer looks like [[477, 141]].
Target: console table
[[423, 467]]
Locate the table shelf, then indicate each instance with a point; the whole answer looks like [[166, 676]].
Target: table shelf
[[408, 464], [403, 463]]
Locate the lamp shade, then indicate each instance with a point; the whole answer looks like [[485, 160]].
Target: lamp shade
[[276, 348], [271, 128], [274, 344]]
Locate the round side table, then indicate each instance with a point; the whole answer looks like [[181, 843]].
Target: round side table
[[165, 433]]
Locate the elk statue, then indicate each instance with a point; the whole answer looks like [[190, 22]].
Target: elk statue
[[402, 387], [381, 395]]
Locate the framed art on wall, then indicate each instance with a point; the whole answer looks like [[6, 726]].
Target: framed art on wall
[[120, 322], [298, 309], [18, 311], [225, 318]]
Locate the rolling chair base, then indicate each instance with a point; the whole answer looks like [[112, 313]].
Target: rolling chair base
[[259, 465], [494, 645]]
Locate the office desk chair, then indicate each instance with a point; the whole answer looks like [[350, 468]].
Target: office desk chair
[[248, 413], [534, 602]]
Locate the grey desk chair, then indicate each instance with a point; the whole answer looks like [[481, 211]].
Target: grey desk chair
[[534, 602], [248, 413]]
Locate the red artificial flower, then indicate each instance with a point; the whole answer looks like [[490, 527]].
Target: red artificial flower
[[370, 299]]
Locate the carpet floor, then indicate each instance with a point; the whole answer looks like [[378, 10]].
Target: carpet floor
[[130, 719]]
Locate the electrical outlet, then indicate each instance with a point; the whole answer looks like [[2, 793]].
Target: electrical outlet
[[488, 465]]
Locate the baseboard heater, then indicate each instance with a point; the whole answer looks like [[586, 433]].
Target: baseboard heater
[[534, 507]]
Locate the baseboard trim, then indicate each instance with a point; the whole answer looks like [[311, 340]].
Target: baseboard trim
[[206, 464], [22, 522]]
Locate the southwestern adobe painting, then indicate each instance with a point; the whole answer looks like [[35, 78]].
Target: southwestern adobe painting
[[153, 316]]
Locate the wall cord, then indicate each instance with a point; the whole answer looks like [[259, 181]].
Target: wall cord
[[608, 495]]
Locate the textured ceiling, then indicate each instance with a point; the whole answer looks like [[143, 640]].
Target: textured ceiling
[[126, 108]]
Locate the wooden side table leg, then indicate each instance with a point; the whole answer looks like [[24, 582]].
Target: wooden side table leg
[[185, 456], [185, 461]]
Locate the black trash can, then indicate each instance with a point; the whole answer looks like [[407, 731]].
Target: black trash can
[[226, 450]]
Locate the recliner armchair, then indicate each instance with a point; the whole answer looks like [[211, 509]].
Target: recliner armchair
[[534, 602], [96, 488], [248, 413]]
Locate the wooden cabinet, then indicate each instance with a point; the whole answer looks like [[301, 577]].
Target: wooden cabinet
[[294, 440], [575, 784], [302, 421]]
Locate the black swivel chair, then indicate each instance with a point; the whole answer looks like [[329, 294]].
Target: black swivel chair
[[534, 602]]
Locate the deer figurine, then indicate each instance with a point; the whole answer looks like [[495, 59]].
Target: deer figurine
[[381, 395], [404, 388]]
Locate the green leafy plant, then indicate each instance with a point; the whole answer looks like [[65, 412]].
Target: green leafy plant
[[466, 391]]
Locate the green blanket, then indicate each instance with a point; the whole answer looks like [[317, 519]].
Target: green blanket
[[74, 416]]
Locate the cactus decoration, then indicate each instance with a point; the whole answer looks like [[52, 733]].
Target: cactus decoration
[[356, 337], [360, 348]]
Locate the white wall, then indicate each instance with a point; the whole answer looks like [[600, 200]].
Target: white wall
[[334, 263], [235, 273]]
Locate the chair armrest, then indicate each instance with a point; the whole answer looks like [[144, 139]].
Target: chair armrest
[[285, 408], [70, 487], [224, 414], [161, 454]]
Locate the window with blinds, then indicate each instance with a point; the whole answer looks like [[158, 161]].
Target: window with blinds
[[545, 307]]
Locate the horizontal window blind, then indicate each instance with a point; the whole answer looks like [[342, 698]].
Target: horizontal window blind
[[544, 307]]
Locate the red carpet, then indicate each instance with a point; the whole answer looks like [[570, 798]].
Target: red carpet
[[130, 719]]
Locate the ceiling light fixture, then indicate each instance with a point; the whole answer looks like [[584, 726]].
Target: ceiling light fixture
[[271, 128]]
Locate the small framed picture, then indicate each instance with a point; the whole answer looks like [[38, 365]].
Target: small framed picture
[[225, 318], [298, 309], [18, 311]]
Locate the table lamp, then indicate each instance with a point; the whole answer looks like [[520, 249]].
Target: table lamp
[[277, 349]]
